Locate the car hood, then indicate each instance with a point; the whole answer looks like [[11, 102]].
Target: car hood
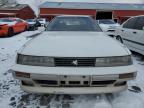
[[106, 27], [43, 22], [73, 44]]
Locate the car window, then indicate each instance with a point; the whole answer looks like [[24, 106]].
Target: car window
[[130, 23], [140, 23], [18, 20], [106, 22], [30, 20], [73, 24], [5, 20], [41, 20]]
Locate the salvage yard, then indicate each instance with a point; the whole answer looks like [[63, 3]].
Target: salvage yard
[[11, 96]]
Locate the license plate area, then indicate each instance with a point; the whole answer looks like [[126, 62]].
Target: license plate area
[[74, 80]]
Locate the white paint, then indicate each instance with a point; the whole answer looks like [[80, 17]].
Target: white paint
[[11, 45], [74, 44]]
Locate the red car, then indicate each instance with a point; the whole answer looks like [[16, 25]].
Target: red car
[[10, 26]]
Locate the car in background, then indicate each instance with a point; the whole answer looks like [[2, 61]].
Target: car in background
[[73, 56], [33, 24], [43, 22], [10, 26], [131, 33], [108, 26]]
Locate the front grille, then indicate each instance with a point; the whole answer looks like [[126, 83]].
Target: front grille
[[75, 62], [56, 83], [48, 82], [106, 82], [75, 81], [111, 31]]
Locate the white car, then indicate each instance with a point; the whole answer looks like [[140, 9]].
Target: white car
[[42, 21], [73, 56], [131, 33], [108, 26]]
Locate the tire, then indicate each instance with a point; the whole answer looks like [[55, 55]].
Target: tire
[[25, 28], [10, 32], [119, 39], [34, 28]]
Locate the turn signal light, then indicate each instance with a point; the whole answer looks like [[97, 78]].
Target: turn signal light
[[22, 74], [127, 75]]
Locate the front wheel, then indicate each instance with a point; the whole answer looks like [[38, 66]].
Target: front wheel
[[26, 28], [119, 39], [10, 32]]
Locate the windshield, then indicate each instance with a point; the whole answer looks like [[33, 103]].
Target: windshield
[[5, 20], [40, 19], [73, 24], [106, 22], [30, 20]]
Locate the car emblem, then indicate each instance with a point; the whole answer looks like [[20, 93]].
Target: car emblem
[[75, 62]]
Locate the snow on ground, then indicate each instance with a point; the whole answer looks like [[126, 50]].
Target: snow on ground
[[8, 49], [11, 96]]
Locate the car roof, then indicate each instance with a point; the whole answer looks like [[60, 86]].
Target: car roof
[[9, 18], [73, 16], [137, 16], [105, 19]]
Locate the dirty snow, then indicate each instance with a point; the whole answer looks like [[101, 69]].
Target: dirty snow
[[11, 96]]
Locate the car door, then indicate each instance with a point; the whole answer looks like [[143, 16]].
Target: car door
[[19, 25], [138, 33], [127, 32]]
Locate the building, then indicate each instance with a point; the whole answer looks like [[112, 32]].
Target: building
[[116, 11], [16, 10]]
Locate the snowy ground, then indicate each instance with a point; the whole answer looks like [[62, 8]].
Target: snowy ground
[[11, 96]]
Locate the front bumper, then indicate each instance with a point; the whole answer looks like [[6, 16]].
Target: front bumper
[[62, 80], [112, 34], [73, 90], [3, 33]]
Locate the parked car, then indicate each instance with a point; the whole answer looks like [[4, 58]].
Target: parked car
[[42, 21], [73, 56], [10, 26], [33, 24], [131, 33], [108, 26]]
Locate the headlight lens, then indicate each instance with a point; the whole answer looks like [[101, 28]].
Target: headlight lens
[[22, 74], [35, 60], [113, 61]]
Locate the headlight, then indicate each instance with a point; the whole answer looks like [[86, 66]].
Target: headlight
[[113, 61], [127, 75], [22, 74], [35, 60]]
